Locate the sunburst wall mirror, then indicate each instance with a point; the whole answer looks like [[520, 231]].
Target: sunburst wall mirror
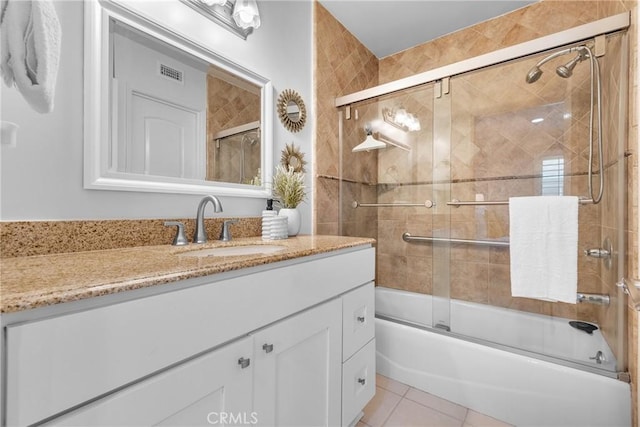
[[291, 110]]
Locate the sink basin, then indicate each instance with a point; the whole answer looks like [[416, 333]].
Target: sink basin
[[235, 251]]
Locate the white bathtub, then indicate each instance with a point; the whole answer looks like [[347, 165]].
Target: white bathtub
[[516, 388]]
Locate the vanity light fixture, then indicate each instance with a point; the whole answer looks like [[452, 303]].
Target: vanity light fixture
[[245, 14], [240, 17], [401, 119]]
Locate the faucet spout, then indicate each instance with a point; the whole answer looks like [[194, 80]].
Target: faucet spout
[[200, 236]]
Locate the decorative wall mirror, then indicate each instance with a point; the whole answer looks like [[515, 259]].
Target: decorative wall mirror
[[291, 110], [292, 157], [166, 115]]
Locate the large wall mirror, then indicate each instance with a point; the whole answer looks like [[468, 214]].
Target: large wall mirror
[[166, 115]]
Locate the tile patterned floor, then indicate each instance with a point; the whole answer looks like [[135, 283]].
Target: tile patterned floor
[[397, 404]]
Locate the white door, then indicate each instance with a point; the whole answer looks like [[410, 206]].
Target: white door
[[213, 389], [298, 369], [162, 139]]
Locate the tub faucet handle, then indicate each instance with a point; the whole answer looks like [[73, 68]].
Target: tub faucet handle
[[180, 239], [599, 357]]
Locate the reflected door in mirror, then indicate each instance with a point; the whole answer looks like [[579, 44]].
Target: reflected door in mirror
[[160, 108]]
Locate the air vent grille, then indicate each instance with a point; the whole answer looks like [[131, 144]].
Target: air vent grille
[[171, 73]]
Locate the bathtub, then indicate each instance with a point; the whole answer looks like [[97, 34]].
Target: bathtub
[[504, 379]]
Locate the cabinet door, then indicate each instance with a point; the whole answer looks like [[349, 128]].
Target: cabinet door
[[211, 389], [298, 371]]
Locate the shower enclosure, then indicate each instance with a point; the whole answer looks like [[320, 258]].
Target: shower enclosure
[[456, 144], [233, 155]]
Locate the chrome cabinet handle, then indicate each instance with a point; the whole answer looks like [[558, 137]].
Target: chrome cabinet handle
[[362, 381], [244, 363], [360, 319], [268, 348]]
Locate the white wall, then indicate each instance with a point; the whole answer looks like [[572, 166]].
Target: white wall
[[41, 177]]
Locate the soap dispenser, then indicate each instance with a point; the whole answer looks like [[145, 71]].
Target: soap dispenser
[[267, 220]]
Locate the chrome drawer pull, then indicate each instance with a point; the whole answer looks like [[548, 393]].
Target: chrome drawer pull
[[362, 381], [268, 348], [360, 319], [244, 363]]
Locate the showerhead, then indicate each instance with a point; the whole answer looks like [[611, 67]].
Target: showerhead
[[565, 71], [534, 74], [251, 138]]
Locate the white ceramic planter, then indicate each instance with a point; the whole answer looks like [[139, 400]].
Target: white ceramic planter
[[293, 220]]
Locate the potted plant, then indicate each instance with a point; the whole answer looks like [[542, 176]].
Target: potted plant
[[288, 187]]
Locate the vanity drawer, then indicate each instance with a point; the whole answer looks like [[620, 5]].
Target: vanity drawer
[[358, 326], [358, 381]]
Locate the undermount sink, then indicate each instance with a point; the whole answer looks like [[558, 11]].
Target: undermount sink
[[235, 251]]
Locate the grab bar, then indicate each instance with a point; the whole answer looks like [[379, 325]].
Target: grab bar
[[407, 237], [458, 203], [427, 204]]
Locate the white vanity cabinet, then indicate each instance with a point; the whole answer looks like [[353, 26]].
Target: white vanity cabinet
[[263, 345]]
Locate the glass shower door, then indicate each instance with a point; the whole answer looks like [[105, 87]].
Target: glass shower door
[[387, 192], [511, 137], [442, 268]]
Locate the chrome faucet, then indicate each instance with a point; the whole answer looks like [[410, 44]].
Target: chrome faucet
[[200, 236]]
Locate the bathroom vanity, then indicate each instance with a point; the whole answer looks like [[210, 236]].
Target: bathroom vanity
[[274, 339]]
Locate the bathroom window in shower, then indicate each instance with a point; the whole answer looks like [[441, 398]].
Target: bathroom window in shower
[[553, 176]]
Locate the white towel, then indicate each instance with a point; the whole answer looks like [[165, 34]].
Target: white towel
[[30, 50], [544, 247]]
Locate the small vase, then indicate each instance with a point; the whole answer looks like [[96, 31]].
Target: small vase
[[293, 220]]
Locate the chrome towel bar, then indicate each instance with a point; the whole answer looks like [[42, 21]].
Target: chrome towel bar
[[407, 237], [427, 204], [457, 203]]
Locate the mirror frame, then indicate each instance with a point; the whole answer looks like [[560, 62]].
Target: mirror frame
[[97, 110]]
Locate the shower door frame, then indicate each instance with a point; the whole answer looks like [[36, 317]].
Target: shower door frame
[[607, 25]]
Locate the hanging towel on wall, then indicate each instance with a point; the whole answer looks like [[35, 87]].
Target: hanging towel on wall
[[544, 247], [30, 50]]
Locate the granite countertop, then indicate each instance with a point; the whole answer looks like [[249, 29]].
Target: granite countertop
[[38, 281]]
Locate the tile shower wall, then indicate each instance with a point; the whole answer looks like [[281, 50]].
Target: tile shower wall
[[342, 65]]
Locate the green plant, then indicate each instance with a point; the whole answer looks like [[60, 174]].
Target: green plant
[[288, 187]]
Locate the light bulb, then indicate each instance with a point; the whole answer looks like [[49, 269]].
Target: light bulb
[[401, 116], [245, 14], [214, 2]]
